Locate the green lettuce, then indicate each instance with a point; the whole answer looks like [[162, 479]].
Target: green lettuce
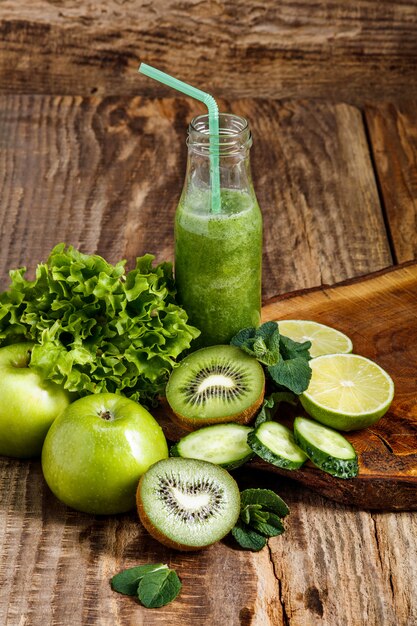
[[97, 328]]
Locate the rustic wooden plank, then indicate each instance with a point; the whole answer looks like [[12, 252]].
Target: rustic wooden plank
[[311, 48], [106, 175], [91, 172], [339, 566], [56, 565], [393, 136]]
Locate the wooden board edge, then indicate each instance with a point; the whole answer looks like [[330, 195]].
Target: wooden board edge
[[341, 491], [344, 283]]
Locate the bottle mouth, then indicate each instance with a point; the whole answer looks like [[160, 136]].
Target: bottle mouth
[[234, 135]]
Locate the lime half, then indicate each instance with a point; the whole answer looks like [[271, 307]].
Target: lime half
[[324, 339], [347, 391]]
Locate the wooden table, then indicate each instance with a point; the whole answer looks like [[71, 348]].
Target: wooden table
[[102, 169]]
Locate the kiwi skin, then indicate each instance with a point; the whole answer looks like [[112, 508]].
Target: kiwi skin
[[245, 417]]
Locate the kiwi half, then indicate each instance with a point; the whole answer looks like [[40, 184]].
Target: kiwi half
[[187, 504], [214, 385]]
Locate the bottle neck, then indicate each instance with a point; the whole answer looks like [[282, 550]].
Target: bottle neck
[[234, 138], [232, 146]]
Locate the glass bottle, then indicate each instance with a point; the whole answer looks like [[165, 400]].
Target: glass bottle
[[218, 256]]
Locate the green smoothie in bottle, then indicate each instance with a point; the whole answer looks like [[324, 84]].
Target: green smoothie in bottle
[[218, 256]]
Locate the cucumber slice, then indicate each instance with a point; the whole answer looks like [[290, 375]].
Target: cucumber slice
[[222, 444], [275, 444], [326, 448]]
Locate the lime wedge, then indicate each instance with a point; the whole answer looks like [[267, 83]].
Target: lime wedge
[[347, 391], [324, 339]]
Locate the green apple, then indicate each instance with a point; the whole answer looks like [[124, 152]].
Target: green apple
[[96, 451], [28, 403]]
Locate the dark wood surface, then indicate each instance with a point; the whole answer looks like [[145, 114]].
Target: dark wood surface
[[393, 135], [328, 49], [105, 175], [92, 154]]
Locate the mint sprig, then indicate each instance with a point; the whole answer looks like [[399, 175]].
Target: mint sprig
[[285, 360], [155, 585], [261, 513], [261, 343]]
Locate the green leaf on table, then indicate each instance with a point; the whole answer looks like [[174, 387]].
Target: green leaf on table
[[127, 581], [247, 538], [271, 404], [267, 498], [158, 588]]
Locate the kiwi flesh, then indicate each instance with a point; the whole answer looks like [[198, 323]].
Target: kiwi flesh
[[187, 504], [215, 385]]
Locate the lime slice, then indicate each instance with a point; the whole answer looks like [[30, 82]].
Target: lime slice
[[324, 339], [347, 391]]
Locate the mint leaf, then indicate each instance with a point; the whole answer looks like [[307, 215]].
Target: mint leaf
[[293, 373], [267, 498], [271, 528], [245, 513], [247, 538], [262, 343], [286, 360], [258, 517], [271, 403], [291, 349], [127, 581], [158, 588], [260, 513]]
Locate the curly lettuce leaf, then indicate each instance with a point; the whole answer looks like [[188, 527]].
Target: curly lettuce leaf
[[96, 327]]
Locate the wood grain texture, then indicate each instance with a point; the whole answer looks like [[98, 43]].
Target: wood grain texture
[[393, 135], [283, 49], [105, 175]]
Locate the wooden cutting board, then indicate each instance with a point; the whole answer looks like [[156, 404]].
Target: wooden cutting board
[[379, 313]]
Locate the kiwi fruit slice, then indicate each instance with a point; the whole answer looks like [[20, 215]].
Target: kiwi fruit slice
[[214, 385], [187, 504]]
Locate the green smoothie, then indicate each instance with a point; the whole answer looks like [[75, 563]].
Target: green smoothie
[[218, 259]]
